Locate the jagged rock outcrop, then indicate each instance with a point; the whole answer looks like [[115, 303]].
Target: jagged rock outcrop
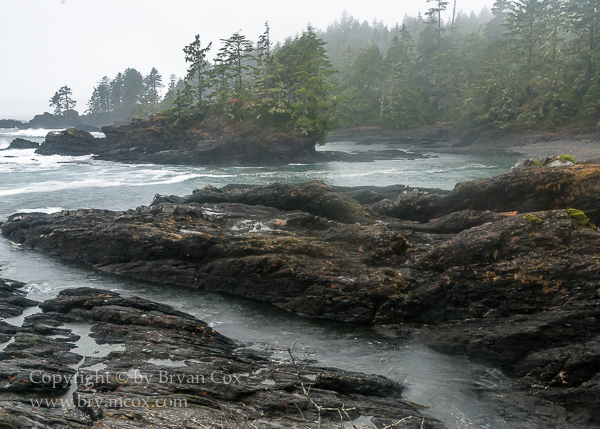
[[213, 141], [70, 142], [528, 190], [521, 293], [315, 197], [13, 301], [88, 128], [20, 143], [166, 368], [295, 260]]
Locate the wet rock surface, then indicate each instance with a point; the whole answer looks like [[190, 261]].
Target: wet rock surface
[[521, 293], [365, 195], [316, 197], [71, 141], [166, 368], [214, 141], [528, 190], [20, 143], [515, 288], [14, 299], [295, 260]]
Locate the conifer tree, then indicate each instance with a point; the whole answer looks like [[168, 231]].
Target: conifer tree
[[62, 101], [198, 70], [312, 71], [100, 102], [133, 89], [152, 85], [435, 13]]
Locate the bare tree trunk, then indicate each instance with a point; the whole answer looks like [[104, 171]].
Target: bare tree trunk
[[453, 18], [382, 99], [592, 47], [439, 28]]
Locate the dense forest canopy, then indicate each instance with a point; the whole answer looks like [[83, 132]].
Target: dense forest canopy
[[524, 64]]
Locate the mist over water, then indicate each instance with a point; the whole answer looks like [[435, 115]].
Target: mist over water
[[461, 393]]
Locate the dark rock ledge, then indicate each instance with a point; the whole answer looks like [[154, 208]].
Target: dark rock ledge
[[20, 143], [214, 141], [505, 270], [172, 370]]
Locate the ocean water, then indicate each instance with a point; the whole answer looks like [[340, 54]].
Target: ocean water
[[30, 182], [461, 393]]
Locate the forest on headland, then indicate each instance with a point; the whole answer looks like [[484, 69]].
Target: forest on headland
[[525, 64]]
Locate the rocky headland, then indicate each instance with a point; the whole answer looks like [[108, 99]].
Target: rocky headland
[[214, 141], [217, 141], [504, 270]]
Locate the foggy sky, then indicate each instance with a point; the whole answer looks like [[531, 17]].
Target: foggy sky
[[45, 44]]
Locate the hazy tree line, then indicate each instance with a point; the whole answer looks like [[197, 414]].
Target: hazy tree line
[[525, 63], [528, 63], [132, 94]]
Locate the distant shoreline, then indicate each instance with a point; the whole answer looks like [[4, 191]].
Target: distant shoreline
[[445, 138]]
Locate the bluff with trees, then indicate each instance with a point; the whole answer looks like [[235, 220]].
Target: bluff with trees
[[253, 104], [527, 64], [287, 86]]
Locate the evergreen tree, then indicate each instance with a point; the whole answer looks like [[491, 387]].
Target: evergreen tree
[[527, 28], [56, 103], [116, 93], [234, 59], [152, 84], [496, 27], [199, 67], [183, 100], [584, 22], [133, 89], [267, 83], [495, 98], [174, 85], [534, 64], [66, 94], [556, 23], [312, 87], [435, 13], [172, 82], [401, 101], [62, 101], [358, 102], [100, 102]]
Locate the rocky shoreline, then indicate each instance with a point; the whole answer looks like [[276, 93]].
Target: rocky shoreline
[[215, 141], [152, 366], [504, 270], [447, 138]]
